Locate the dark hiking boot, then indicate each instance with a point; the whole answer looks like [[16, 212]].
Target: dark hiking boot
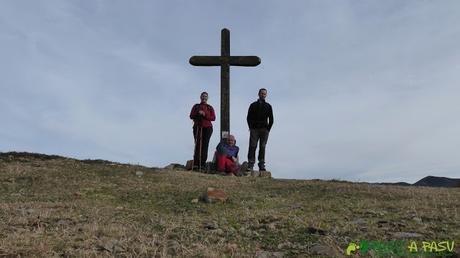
[[250, 166]]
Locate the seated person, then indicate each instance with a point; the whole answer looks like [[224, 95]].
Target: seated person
[[227, 155]]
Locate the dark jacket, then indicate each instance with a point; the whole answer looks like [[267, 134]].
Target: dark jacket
[[199, 120], [258, 114]]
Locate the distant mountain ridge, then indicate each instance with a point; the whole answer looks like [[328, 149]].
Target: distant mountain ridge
[[398, 183], [430, 181], [436, 181]]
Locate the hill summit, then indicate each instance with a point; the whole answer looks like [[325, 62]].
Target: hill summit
[[57, 206]]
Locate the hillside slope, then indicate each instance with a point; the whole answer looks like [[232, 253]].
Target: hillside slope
[[55, 206]]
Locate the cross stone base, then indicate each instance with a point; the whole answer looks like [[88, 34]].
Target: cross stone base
[[266, 174]]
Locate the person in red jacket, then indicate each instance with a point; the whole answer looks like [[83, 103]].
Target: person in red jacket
[[202, 115]]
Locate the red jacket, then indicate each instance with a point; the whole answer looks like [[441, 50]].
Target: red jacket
[[199, 120]]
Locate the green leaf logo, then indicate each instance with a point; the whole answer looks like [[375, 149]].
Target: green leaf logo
[[351, 248]]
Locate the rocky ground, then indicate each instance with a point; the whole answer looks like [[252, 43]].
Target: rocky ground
[[54, 206]]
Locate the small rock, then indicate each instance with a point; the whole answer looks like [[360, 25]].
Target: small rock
[[220, 232], [271, 226], [232, 247], [364, 229], [323, 250], [119, 208], [231, 230], [139, 173], [189, 164], [383, 223], [267, 254], [245, 232], [64, 222], [407, 235], [175, 166], [285, 245], [170, 166], [266, 174], [77, 194], [312, 230], [270, 218], [296, 206], [214, 195], [372, 213], [401, 224], [29, 211], [417, 219], [210, 225], [255, 224], [194, 200], [112, 246], [173, 247], [358, 221]]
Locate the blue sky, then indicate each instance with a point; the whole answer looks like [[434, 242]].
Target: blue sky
[[361, 90]]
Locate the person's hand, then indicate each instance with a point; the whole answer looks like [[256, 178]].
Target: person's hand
[[201, 112], [234, 159]]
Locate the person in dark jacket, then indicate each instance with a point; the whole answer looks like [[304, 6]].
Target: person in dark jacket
[[227, 155], [260, 122], [202, 115]]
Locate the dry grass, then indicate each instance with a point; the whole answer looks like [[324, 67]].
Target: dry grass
[[64, 207]]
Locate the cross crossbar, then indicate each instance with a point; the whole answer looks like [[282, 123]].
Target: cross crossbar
[[219, 60]]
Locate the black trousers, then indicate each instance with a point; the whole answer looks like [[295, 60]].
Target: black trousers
[[202, 136], [257, 135]]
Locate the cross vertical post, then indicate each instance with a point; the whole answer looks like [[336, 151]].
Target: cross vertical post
[[225, 85]]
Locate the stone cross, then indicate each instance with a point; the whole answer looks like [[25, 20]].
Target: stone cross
[[225, 61]]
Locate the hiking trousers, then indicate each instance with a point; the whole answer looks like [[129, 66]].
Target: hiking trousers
[[257, 135], [201, 144], [226, 164]]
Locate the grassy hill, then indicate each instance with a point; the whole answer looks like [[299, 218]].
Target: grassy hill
[[54, 206]]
